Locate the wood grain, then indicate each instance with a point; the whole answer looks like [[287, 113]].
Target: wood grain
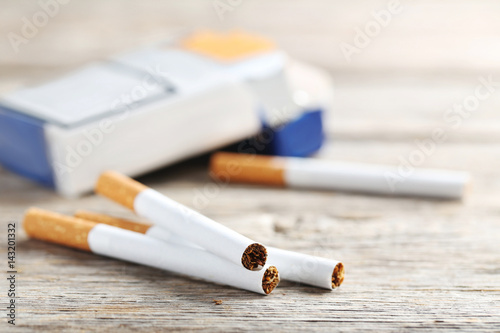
[[411, 264]]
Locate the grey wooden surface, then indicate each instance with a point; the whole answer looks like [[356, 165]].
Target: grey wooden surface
[[412, 264]]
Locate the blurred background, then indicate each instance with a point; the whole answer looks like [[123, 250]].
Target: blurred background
[[431, 52], [395, 86]]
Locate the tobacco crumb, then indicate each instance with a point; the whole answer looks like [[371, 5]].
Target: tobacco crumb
[[338, 275], [270, 279], [255, 256], [217, 301]]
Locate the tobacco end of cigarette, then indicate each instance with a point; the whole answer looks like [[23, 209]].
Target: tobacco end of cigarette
[[57, 228], [255, 256], [270, 279], [111, 220], [247, 168], [119, 188], [338, 275]]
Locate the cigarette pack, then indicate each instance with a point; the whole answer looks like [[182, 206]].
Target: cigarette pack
[[157, 105]]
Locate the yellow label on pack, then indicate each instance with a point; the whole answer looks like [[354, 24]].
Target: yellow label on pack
[[227, 46]]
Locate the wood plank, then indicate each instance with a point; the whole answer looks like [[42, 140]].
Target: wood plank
[[412, 264]]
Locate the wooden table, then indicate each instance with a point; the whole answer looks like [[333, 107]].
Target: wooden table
[[412, 264]]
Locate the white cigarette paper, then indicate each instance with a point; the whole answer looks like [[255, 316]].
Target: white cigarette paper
[[307, 269], [313, 173], [191, 225]]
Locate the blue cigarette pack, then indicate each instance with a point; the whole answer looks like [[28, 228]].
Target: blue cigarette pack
[[157, 105]]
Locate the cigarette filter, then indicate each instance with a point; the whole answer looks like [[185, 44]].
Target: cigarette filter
[[135, 247], [321, 174], [183, 221], [298, 267]]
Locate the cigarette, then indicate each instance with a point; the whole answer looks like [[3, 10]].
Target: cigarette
[[330, 175], [185, 222], [298, 267], [115, 242], [308, 269]]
